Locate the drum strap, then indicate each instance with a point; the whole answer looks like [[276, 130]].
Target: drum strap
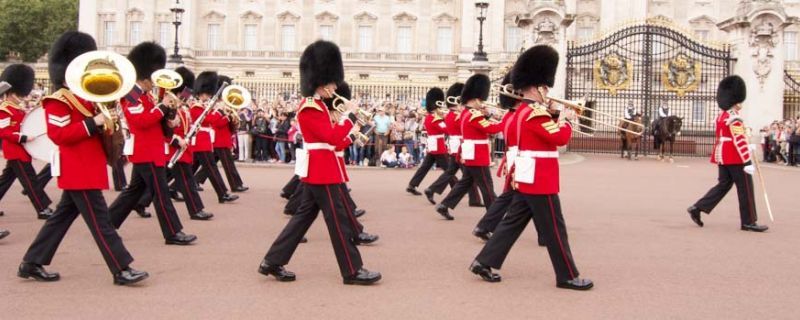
[[4, 107], [66, 96]]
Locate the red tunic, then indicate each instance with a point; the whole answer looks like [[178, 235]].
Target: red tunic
[[202, 141], [321, 136], [222, 131], [539, 138], [144, 120], [181, 130], [476, 129], [81, 158], [10, 122], [436, 128], [510, 137], [730, 145]]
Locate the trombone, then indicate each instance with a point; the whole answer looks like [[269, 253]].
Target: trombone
[[582, 104], [508, 91], [363, 117]]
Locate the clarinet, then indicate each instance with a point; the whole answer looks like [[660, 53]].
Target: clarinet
[[196, 126]]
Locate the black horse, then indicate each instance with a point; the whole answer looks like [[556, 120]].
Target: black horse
[[666, 130]]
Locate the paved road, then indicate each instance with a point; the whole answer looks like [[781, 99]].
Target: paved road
[[626, 220]]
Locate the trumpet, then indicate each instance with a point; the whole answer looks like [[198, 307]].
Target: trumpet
[[441, 108], [506, 90], [582, 105], [363, 117]]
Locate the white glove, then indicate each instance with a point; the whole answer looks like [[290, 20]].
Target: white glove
[[749, 169]]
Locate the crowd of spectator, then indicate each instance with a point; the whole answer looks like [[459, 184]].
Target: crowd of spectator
[[780, 142]]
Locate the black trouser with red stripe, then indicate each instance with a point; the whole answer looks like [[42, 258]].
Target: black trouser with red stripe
[[291, 186], [118, 174], [498, 210], [472, 177], [332, 200], [728, 176], [223, 155], [546, 209], [204, 164], [92, 206], [147, 178], [44, 176], [23, 171], [184, 180], [427, 164], [448, 177], [293, 206]]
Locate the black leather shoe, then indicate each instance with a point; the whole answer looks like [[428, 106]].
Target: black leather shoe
[[304, 240], [484, 271], [37, 272], [4, 233], [228, 198], [202, 215], [44, 214], [181, 239], [175, 195], [483, 234], [429, 196], [142, 212], [412, 190], [541, 242], [694, 212], [241, 188], [285, 195], [363, 277], [288, 213], [576, 284], [754, 227], [129, 276], [476, 205], [359, 212], [442, 210], [200, 188], [24, 193], [279, 272], [2, 213], [365, 238]]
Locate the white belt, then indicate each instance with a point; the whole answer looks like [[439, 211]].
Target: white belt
[[484, 141], [725, 139], [318, 146], [209, 130], [538, 154], [513, 149], [340, 154], [436, 136]]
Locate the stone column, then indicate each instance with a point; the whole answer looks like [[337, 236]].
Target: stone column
[[87, 17], [756, 35]]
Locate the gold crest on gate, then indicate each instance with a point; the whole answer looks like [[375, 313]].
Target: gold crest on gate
[[612, 73], [681, 74]]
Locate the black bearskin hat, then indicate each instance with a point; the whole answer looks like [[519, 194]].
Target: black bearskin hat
[[505, 101], [320, 64], [535, 67], [476, 87], [147, 57], [434, 95], [188, 80], [454, 91], [20, 77], [206, 82], [342, 89], [223, 79], [731, 90], [68, 46]]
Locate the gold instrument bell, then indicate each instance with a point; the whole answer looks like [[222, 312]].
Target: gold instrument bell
[[236, 96], [101, 77]]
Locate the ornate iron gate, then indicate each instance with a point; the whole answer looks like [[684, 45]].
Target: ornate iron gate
[[648, 63], [791, 95]]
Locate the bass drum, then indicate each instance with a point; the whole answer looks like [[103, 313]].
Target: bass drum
[[35, 125]]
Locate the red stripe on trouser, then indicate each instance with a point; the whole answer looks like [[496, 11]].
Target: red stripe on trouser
[[338, 230], [186, 188], [558, 237], [489, 192], [749, 200], [210, 174], [350, 213], [97, 230], [24, 176], [161, 200]]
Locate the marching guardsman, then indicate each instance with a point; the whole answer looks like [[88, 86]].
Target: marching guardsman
[[182, 171], [453, 131], [536, 175], [149, 175], [502, 204], [321, 70], [437, 148], [18, 161], [733, 157], [76, 127], [475, 153], [223, 143], [205, 87]]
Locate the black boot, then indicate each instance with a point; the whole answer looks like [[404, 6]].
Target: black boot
[[363, 277], [482, 234], [412, 190], [4, 233], [228, 198], [202, 215], [429, 196], [442, 210], [44, 214], [175, 195], [129, 276], [142, 212], [37, 272], [484, 271], [365, 238], [576, 284], [754, 227], [694, 213], [359, 212], [279, 272], [181, 239]]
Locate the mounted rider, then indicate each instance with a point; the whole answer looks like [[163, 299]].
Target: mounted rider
[[663, 112]]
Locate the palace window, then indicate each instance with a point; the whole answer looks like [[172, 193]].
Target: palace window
[[135, 33], [513, 38], [214, 36], [404, 39], [108, 32], [585, 33], [444, 40], [702, 34], [326, 32], [790, 43], [163, 33], [250, 37], [287, 37], [365, 38]]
